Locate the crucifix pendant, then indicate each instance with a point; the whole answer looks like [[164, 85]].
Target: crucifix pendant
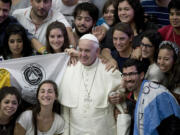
[[86, 106]]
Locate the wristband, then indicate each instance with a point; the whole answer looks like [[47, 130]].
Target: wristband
[[42, 49]]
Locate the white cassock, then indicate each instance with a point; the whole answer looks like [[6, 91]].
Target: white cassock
[[84, 94]]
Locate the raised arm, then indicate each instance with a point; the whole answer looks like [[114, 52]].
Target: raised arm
[[72, 40], [38, 46]]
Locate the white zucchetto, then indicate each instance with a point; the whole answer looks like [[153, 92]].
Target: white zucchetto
[[90, 37]]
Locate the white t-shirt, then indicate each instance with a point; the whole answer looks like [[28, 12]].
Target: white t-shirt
[[25, 120], [23, 16]]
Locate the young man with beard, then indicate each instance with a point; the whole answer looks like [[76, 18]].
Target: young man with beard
[[172, 32], [156, 111], [85, 18]]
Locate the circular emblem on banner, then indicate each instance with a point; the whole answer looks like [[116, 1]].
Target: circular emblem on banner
[[33, 73]]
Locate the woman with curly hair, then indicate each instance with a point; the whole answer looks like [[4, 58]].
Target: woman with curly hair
[[16, 43], [10, 100]]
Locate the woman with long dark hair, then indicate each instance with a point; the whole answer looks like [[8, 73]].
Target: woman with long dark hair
[[56, 36], [44, 118], [16, 43], [150, 42], [108, 18], [168, 61], [132, 12], [168, 64], [9, 109]]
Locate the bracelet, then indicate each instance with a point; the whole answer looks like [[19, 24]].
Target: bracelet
[[42, 49]]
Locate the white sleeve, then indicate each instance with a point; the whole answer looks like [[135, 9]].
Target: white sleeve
[[15, 12], [25, 119], [18, 13], [56, 5]]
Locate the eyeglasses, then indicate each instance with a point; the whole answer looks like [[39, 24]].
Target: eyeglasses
[[146, 45], [129, 74]]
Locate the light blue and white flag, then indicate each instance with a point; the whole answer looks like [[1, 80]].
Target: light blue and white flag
[[155, 103], [28, 72]]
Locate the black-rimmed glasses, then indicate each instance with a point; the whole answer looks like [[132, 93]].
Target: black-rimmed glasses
[[146, 45]]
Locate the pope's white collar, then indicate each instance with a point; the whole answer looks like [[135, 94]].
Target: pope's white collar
[[92, 65]]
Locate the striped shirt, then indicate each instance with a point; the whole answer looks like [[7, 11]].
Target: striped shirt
[[160, 13]]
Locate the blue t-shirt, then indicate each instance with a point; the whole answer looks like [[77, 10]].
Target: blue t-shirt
[[120, 60]]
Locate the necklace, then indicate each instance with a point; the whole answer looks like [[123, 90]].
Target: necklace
[[87, 99]]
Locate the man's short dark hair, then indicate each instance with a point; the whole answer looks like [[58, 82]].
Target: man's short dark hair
[[175, 4], [7, 1], [141, 66], [88, 7]]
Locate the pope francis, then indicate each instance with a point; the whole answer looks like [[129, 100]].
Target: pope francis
[[84, 91]]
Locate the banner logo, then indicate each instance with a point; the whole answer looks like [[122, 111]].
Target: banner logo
[[33, 73]]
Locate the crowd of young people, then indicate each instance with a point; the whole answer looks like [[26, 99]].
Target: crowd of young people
[[124, 32]]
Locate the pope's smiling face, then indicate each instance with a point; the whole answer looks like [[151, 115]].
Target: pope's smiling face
[[88, 52]]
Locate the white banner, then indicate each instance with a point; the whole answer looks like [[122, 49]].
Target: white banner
[[28, 72]]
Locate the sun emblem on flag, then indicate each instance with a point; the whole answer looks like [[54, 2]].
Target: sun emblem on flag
[[33, 73]]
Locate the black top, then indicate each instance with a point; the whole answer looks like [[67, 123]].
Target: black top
[[7, 129], [120, 60]]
